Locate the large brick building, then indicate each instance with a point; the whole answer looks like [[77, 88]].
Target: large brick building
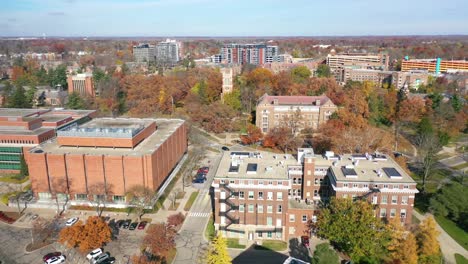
[[262, 195], [434, 65], [82, 84], [102, 159], [303, 111], [22, 129], [339, 62]]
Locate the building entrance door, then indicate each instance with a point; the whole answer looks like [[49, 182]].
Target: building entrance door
[[251, 235]]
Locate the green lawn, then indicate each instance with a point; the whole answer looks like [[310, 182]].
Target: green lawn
[[210, 229], [274, 245], [454, 231], [461, 259], [234, 243], [190, 201]]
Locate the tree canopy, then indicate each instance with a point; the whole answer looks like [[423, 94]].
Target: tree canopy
[[217, 252], [323, 254], [93, 234]]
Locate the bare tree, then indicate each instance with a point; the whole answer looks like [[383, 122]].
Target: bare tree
[[293, 120], [100, 192], [173, 197], [60, 189], [139, 198]]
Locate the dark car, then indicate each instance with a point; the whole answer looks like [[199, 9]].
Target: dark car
[[51, 255], [305, 241], [119, 223], [126, 223], [198, 180], [133, 226], [108, 261], [200, 176], [142, 225], [225, 148]]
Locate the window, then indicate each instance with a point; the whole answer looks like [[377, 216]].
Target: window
[[354, 197], [355, 185], [345, 185], [316, 194], [260, 183], [269, 209], [279, 196], [223, 181], [308, 183], [384, 199], [270, 196], [396, 186], [260, 234], [392, 212], [299, 192], [260, 195], [260, 209], [383, 212], [231, 181], [404, 200], [292, 218], [299, 180], [241, 208], [81, 196], [118, 198], [269, 234], [251, 208], [344, 195], [251, 182], [394, 199], [304, 218], [403, 213], [270, 183], [385, 186], [366, 185], [241, 195], [406, 186], [251, 195], [315, 181], [280, 208], [269, 221]]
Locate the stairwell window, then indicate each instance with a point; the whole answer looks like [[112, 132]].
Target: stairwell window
[[241, 195]]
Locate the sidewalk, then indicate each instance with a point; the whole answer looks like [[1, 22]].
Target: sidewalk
[[448, 246]]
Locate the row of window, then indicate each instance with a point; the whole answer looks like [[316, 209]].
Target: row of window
[[292, 218], [260, 196], [365, 185], [251, 208], [252, 182], [82, 197], [384, 199], [383, 213], [16, 141], [10, 149]]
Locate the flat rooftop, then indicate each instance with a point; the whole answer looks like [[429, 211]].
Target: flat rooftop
[[106, 128], [254, 165], [165, 128], [18, 112], [362, 168]]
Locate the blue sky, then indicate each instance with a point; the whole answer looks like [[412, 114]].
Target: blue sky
[[232, 17]]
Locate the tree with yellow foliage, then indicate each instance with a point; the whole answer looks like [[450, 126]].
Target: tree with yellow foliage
[[87, 236], [217, 253], [402, 246], [426, 236]]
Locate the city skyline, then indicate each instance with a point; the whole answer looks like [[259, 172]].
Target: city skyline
[[230, 18]]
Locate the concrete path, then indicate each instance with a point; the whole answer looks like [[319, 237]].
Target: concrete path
[[448, 246]]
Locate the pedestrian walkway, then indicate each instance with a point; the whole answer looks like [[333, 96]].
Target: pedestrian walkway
[[448, 246], [199, 214]]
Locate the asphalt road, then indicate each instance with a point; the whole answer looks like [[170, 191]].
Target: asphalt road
[[190, 241]]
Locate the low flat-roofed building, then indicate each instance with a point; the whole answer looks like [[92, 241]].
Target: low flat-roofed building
[[22, 129], [104, 158], [263, 195]]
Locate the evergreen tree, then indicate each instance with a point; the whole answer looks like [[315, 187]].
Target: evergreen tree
[[323, 254], [24, 171], [18, 98], [75, 101], [323, 71], [428, 245], [217, 253]]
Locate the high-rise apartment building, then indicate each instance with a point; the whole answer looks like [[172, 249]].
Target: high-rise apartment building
[[263, 195], [82, 84], [102, 159], [144, 53], [167, 52], [257, 54], [338, 62], [434, 65], [297, 112]]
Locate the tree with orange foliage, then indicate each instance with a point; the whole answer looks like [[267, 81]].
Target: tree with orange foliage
[[402, 247], [254, 134], [426, 236], [159, 241], [262, 81], [87, 236]]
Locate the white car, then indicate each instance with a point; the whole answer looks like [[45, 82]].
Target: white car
[[94, 253], [71, 221], [56, 260]]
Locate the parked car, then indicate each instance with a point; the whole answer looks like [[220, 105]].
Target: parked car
[[133, 226], [204, 170], [225, 148], [56, 260], [142, 225], [108, 261], [101, 258], [71, 221], [51, 255], [305, 241], [34, 217], [200, 176], [119, 223], [126, 223], [198, 180], [94, 253]]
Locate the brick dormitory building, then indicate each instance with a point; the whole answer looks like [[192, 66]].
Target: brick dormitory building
[[102, 159], [263, 195]]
